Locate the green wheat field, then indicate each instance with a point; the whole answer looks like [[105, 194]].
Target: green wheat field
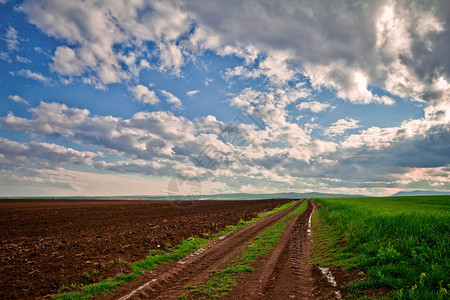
[[402, 242]]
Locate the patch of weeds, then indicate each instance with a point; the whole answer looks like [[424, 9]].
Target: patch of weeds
[[94, 272], [169, 247], [87, 276], [63, 288], [155, 252], [121, 262], [189, 287], [125, 246]]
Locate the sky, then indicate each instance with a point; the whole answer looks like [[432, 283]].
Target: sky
[[110, 98]]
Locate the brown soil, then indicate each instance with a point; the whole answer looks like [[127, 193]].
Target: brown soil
[[45, 244], [285, 273], [167, 282]]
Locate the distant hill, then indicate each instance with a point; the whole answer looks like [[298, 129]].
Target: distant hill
[[420, 193], [247, 196], [235, 196]]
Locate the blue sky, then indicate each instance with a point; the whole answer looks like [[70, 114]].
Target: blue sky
[[118, 98]]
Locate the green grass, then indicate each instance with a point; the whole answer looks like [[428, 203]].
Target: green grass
[[402, 242], [221, 281], [155, 258]]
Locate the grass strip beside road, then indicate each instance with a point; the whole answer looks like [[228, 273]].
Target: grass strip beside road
[[158, 257], [221, 281], [402, 242]]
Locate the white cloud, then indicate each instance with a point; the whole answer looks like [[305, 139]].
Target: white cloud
[[248, 53], [171, 58], [31, 75], [18, 99], [34, 155], [5, 56], [274, 67], [145, 135], [434, 176], [359, 52], [23, 59], [192, 93], [143, 95], [208, 81], [379, 138], [313, 106], [170, 98], [349, 49], [347, 83], [282, 153], [94, 35], [12, 39], [242, 72], [341, 126], [294, 141], [67, 62]]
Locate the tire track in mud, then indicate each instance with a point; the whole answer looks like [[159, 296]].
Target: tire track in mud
[[167, 281], [286, 273], [292, 276]]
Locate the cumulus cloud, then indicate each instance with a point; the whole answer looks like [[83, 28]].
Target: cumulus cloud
[[34, 155], [23, 60], [96, 33], [12, 39], [242, 72], [18, 99], [348, 49], [271, 108], [341, 126], [160, 143], [274, 67], [365, 54], [378, 138], [170, 98], [146, 135], [192, 93], [143, 95], [313, 106], [31, 75], [5, 56]]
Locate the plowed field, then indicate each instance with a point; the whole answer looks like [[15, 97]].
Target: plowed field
[[46, 244]]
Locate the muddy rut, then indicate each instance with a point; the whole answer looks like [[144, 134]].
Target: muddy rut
[[168, 281], [285, 273]]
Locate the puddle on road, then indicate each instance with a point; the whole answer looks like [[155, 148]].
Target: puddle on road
[[199, 250], [309, 223], [326, 271]]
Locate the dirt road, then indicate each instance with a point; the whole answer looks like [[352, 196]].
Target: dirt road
[[167, 282], [286, 273]]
